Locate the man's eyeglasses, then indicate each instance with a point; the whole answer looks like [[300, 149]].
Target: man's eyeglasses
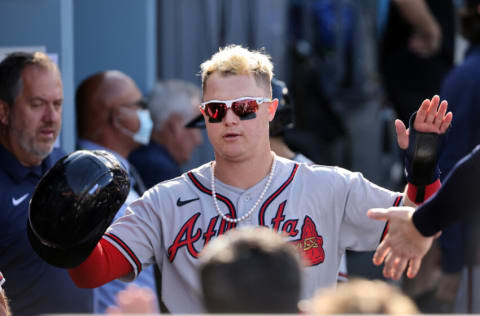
[[245, 108]]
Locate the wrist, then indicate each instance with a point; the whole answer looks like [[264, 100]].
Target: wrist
[[421, 156], [420, 193], [423, 224]]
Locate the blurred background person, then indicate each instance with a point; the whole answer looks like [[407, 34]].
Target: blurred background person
[[172, 104], [361, 296], [112, 116], [416, 51], [31, 103], [134, 300], [251, 270], [334, 81]]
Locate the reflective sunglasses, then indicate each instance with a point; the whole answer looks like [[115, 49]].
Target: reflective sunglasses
[[245, 108]]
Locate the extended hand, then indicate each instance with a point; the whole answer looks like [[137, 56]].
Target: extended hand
[[430, 118], [403, 245]]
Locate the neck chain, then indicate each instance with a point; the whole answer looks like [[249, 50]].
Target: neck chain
[[237, 220]]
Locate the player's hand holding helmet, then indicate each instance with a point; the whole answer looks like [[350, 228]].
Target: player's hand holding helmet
[[73, 205]]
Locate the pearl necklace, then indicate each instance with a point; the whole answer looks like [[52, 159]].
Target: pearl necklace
[[237, 220]]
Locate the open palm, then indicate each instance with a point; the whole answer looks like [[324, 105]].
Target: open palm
[[430, 118]]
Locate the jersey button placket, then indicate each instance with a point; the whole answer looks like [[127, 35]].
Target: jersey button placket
[[244, 204], [249, 204]]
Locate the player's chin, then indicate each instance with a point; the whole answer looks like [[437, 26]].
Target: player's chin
[[233, 154]]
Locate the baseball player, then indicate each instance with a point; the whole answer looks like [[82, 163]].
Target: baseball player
[[321, 210]]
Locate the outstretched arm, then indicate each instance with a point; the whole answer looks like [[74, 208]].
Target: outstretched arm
[[104, 264], [458, 198], [421, 143], [411, 232]]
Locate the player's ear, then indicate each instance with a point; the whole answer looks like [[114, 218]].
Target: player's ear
[[272, 108]]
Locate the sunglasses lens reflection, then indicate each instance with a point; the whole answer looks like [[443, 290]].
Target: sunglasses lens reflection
[[244, 109], [216, 111]]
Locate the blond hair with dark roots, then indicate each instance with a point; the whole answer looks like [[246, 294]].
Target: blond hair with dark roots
[[237, 60]]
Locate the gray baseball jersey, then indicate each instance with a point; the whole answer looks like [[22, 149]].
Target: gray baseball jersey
[[342, 275], [321, 209]]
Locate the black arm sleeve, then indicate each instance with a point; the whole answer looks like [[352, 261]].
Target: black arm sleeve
[[458, 197]]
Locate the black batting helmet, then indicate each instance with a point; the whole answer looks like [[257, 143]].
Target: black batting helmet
[[285, 115], [73, 205]]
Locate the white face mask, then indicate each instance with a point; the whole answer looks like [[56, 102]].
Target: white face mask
[[142, 136]]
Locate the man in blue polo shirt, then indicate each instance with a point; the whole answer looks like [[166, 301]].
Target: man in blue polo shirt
[[31, 97]]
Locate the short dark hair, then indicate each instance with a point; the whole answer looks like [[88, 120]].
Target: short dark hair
[[251, 270], [11, 69]]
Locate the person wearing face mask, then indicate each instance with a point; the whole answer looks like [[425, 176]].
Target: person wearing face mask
[[113, 116], [172, 103]]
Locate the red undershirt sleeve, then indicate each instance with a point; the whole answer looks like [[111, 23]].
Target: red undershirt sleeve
[[105, 263]]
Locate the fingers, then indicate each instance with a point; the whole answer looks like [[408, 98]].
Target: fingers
[[445, 124], [432, 110], [386, 267], [442, 122], [413, 267], [440, 115], [399, 266], [432, 116], [382, 251], [378, 214], [422, 111], [395, 266], [402, 135]]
